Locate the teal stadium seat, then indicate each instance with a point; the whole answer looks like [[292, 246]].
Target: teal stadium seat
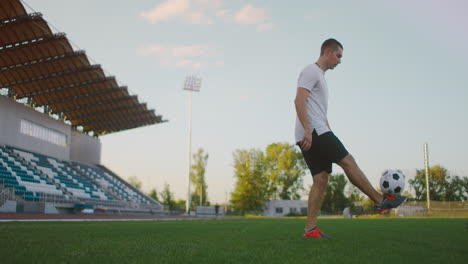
[[36, 175]]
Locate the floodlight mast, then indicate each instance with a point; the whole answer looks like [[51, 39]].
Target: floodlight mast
[[191, 84], [426, 165]]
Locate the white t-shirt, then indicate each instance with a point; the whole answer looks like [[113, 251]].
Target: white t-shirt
[[312, 78]]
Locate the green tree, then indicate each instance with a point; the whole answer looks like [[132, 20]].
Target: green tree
[[167, 197], [457, 189], [438, 183], [154, 194], [251, 188], [284, 168], [195, 201], [133, 180], [180, 205], [368, 205], [354, 194], [197, 177], [335, 199], [442, 186]]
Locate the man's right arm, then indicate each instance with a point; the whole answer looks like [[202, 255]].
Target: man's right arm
[[301, 110]]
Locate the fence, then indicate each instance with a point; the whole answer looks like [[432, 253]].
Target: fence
[[437, 208]]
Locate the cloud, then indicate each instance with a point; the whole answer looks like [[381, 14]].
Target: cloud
[[264, 27], [191, 56], [198, 18], [191, 11], [175, 51], [221, 12], [166, 11], [207, 12], [191, 64], [209, 3], [250, 14]]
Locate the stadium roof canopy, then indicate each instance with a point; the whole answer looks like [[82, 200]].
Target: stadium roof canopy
[[42, 67]]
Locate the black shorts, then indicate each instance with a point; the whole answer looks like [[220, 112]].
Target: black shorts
[[326, 149]]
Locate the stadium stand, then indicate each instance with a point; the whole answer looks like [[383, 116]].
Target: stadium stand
[[112, 183], [25, 180], [37, 177], [54, 106], [63, 175]]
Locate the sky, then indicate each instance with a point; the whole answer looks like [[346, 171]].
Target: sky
[[402, 82]]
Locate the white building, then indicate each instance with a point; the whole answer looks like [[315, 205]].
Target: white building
[[284, 207]]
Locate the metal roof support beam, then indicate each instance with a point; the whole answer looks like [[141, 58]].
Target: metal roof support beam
[[71, 86], [141, 120], [104, 112], [54, 75], [12, 46], [104, 103], [123, 113], [108, 121], [74, 98], [117, 128], [22, 18], [7, 68], [107, 112]]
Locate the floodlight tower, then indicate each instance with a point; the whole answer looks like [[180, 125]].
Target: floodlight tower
[[426, 165], [191, 84]]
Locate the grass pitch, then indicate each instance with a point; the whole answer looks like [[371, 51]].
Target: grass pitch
[[236, 241]]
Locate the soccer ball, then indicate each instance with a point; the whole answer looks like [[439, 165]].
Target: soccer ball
[[392, 183]]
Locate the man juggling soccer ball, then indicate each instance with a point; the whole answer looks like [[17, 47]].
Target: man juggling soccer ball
[[320, 147]]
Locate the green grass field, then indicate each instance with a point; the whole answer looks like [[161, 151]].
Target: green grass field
[[236, 241]]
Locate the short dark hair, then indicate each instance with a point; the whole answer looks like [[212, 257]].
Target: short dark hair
[[330, 43]]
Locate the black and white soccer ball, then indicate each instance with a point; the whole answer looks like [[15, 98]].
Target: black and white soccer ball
[[392, 183]]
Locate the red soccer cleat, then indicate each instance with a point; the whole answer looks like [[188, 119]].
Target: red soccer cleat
[[315, 232]]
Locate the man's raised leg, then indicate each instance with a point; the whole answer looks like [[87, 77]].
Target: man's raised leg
[[357, 177]]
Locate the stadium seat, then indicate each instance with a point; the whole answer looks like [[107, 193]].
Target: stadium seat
[[118, 188], [35, 176]]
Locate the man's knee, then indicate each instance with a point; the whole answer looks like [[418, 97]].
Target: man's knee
[[321, 179]]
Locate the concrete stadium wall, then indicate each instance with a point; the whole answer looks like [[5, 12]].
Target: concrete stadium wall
[[8, 207], [79, 147], [11, 114], [85, 149]]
